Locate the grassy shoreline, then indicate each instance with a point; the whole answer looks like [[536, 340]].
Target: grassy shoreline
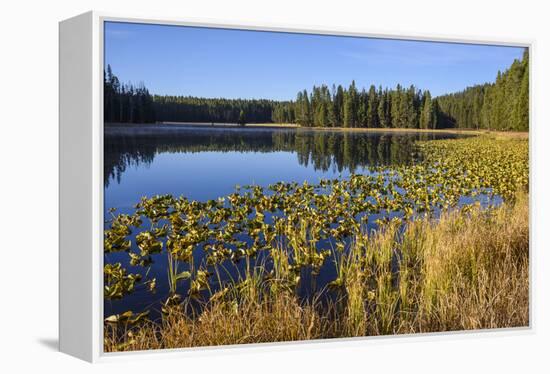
[[512, 134]]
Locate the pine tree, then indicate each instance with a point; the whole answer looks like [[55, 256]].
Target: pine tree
[[350, 106], [493, 106], [361, 118], [521, 109], [303, 116], [339, 106], [372, 108], [427, 114], [410, 108], [382, 109], [242, 118], [396, 98]]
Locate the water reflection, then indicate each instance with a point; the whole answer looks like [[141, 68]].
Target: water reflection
[[321, 150]]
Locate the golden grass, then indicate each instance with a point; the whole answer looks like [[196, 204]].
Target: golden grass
[[491, 133], [464, 271], [474, 270]]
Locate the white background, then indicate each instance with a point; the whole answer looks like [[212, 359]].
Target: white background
[[29, 187]]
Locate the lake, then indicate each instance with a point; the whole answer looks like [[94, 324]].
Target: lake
[[204, 163]]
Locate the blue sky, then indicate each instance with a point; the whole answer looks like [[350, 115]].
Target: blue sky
[[205, 62]]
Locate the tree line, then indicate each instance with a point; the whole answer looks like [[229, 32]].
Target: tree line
[[199, 109], [502, 105], [375, 108], [126, 103]]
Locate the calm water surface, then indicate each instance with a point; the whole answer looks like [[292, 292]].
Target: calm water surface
[[205, 163]]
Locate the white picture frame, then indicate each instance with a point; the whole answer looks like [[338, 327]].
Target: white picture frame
[[81, 180]]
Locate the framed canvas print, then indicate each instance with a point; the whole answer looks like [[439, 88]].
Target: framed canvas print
[[228, 185]]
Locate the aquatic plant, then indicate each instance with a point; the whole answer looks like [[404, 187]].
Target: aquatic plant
[[462, 272], [375, 229]]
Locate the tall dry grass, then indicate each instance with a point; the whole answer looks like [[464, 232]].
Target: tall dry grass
[[466, 270]]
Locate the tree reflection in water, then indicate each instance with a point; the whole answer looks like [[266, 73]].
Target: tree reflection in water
[[323, 149]]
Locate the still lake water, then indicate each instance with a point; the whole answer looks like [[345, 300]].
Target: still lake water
[[203, 163]]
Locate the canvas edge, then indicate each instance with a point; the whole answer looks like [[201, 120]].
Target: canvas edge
[[80, 187], [75, 157]]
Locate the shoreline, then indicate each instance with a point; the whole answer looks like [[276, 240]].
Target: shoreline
[[508, 134]]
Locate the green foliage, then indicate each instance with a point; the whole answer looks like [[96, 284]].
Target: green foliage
[[372, 119], [199, 109], [428, 113], [116, 281], [384, 108], [126, 102], [503, 105], [242, 118], [303, 109]]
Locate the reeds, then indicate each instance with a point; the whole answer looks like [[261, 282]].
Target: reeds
[[463, 271]]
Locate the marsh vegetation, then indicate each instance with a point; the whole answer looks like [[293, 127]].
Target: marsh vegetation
[[437, 241]]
